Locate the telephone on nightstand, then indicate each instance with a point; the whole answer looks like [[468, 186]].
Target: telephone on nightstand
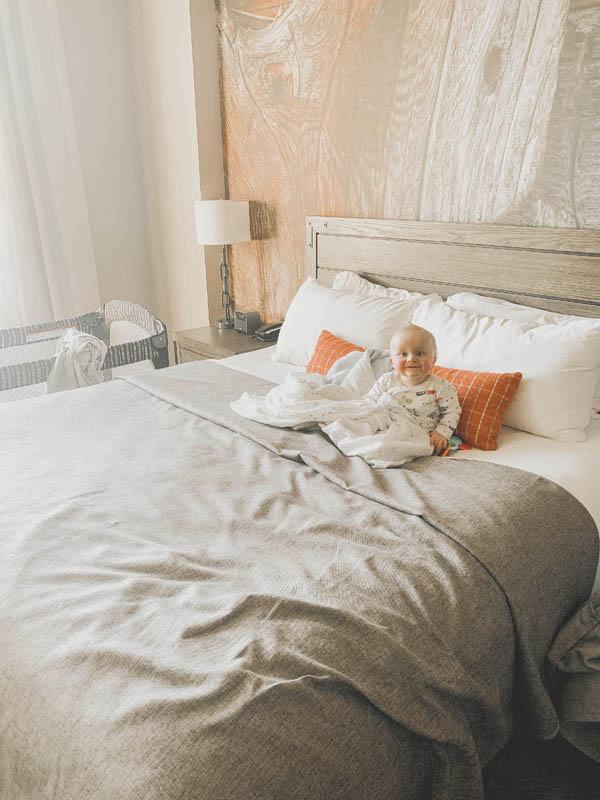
[[268, 333]]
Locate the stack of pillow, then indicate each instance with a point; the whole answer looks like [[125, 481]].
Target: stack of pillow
[[485, 346]]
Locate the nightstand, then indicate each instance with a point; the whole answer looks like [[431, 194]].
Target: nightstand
[[198, 344]]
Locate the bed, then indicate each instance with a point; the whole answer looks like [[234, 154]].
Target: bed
[[195, 605]]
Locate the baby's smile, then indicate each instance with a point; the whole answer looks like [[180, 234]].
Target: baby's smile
[[411, 357]]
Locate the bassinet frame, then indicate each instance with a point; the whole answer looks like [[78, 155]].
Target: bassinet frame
[[153, 348]]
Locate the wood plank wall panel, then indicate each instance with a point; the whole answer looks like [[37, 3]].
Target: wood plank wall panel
[[446, 263], [445, 110]]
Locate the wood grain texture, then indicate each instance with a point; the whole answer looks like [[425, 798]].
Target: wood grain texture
[[543, 267], [565, 190], [553, 268], [327, 276], [494, 101], [442, 110], [211, 342], [490, 267], [572, 240]]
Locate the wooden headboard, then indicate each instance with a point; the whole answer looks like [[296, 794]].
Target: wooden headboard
[[551, 268]]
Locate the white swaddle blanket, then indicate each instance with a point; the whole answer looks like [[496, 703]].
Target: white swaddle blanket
[[79, 359], [353, 422]]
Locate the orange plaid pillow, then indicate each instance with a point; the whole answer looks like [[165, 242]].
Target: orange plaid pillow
[[328, 350], [484, 398]]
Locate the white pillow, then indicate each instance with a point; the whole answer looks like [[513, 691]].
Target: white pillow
[[559, 363], [503, 309], [351, 282], [495, 307], [363, 320]]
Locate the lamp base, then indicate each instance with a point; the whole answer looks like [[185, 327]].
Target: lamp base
[[224, 324]]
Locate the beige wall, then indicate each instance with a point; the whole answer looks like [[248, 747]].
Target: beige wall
[[164, 79], [447, 110], [208, 126]]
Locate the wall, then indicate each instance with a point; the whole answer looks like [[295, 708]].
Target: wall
[[96, 43], [448, 110], [164, 80], [209, 132]]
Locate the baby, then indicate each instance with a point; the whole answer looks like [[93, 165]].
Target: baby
[[432, 401]]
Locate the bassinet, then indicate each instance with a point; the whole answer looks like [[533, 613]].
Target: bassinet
[[26, 353]]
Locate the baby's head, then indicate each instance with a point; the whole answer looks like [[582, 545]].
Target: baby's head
[[412, 354]]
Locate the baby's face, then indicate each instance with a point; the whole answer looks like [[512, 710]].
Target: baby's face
[[411, 357]]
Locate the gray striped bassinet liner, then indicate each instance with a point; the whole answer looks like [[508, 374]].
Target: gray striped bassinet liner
[[87, 323]]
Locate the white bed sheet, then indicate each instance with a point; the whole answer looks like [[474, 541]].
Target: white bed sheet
[[573, 465]]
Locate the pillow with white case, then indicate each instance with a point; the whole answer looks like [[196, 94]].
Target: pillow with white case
[[504, 309], [364, 320], [495, 307], [351, 282], [559, 363]]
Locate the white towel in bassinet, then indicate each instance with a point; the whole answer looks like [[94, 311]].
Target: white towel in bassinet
[[79, 359]]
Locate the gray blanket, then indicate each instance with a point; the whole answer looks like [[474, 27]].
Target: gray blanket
[[194, 605]]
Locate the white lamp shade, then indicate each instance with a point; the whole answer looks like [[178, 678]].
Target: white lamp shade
[[222, 221]]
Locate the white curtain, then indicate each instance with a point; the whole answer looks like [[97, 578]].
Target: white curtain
[[10, 313], [47, 264]]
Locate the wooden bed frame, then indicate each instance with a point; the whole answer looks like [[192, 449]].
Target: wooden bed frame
[[551, 268]]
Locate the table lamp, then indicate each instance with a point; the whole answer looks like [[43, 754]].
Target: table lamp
[[222, 222]]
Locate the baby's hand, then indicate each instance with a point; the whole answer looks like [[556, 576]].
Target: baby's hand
[[438, 442]]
